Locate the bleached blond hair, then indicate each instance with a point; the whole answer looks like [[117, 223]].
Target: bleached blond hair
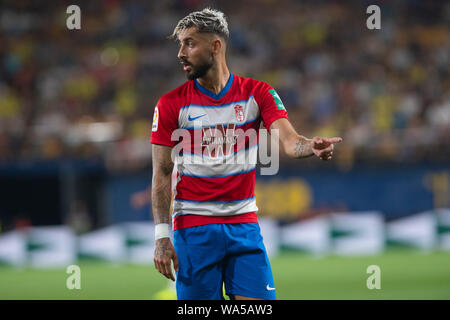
[[208, 20]]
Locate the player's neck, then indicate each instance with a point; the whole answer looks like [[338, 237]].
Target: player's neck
[[216, 78]]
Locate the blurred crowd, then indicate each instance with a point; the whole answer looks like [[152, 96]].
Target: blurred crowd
[[90, 93]]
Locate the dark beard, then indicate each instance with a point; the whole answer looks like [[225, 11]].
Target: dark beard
[[200, 71]]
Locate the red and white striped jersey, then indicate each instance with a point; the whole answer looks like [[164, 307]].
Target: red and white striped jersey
[[209, 188]]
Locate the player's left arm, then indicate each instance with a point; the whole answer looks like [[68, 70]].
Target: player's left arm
[[298, 146]]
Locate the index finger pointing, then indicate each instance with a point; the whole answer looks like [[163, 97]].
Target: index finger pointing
[[334, 140]]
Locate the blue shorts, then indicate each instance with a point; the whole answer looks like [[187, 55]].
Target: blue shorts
[[213, 254]]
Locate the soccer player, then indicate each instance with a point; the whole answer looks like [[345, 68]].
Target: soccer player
[[217, 239]]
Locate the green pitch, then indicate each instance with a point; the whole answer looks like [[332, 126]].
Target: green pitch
[[404, 275]]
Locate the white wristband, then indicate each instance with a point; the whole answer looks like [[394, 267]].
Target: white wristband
[[161, 231]]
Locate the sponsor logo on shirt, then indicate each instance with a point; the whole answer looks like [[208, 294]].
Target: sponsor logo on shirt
[[196, 117], [219, 140]]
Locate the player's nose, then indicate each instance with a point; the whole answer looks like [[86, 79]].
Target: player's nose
[[181, 54]]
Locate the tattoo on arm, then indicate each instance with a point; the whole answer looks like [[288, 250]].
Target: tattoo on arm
[[161, 184], [161, 199], [302, 148]]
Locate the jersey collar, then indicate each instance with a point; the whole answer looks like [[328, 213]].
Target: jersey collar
[[212, 94]]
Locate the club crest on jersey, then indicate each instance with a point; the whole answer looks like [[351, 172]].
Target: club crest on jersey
[[219, 141], [239, 112]]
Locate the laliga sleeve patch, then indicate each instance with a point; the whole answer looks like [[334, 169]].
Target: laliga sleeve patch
[[155, 119], [277, 99]]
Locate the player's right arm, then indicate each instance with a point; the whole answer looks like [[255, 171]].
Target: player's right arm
[[275, 118], [161, 200], [297, 146]]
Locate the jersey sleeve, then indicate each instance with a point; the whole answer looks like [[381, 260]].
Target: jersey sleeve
[[270, 104], [164, 123]]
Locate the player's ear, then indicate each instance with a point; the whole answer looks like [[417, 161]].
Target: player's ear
[[216, 46]]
